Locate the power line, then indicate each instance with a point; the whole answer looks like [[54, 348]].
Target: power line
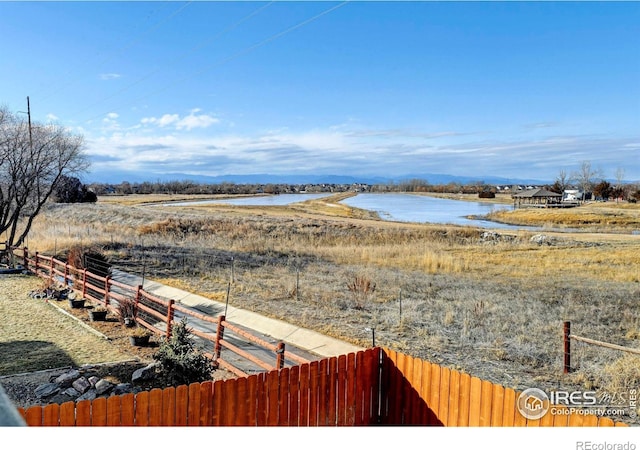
[[180, 57], [229, 59], [120, 51]]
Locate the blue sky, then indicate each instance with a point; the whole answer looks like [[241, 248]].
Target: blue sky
[[510, 89]]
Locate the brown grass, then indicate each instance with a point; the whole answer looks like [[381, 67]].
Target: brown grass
[[35, 336], [491, 308]]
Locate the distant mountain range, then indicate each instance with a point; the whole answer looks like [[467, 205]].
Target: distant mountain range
[[431, 178]]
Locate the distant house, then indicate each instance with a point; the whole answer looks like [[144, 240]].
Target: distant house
[[536, 197]]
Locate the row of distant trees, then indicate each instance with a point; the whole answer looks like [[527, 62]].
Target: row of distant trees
[[42, 162], [587, 181]]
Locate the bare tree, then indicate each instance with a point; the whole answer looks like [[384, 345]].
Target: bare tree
[[585, 177], [32, 160], [561, 183]]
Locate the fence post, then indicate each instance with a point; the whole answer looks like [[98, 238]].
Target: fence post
[[219, 337], [84, 282], [567, 346], [25, 255], [280, 356], [138, 294], [36, 264], [51, 266], [170, 318], [66, 274], [106, 290]]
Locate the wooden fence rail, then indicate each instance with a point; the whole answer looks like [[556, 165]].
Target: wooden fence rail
[[372, 387], [154, 313], [567, 337]]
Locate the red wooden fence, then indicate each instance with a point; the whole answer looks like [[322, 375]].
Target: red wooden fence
[[372, 387], [152, 310]]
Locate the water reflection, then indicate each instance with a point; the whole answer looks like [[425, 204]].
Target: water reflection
[[265, 200], [422, 209]]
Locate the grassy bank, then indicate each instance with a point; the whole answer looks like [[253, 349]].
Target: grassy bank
[[488, 304]]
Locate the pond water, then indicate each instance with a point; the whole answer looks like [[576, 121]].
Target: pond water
[[420, 208], [393, 207], [265, 200]]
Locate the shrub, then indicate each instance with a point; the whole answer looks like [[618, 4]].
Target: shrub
[[181, 361], [362, 289], [127, 309]]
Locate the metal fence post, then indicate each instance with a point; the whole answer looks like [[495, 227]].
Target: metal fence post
[[106, 289], [567, 347], [280, 355], [219, 337]]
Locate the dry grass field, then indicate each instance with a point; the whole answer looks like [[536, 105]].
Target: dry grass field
[[489, 305]]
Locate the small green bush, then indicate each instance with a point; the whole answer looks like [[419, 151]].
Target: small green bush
[[181, 361]]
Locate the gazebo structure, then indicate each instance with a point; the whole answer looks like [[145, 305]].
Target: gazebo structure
[[537, 198]]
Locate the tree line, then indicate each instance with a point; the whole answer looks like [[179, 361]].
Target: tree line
[[43, 162]]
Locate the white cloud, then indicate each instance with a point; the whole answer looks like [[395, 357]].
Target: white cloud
[[156, 148], [109, 76], [52, 117], [193, 120]]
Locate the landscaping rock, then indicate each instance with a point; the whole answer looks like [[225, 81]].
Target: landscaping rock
[[47, 390], [82, 385], [74, 385], [67, 378], [145, 373]]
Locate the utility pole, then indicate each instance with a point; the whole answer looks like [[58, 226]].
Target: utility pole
[[29, 116]]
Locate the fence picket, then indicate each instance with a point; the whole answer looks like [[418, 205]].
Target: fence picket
[[272, 398], [51, 416], [182, 403], [127, 410], [229, 390], [33, 417], [83, 413], [465, 400], [427, 414], [252, 399], [313, 394], [333, 391], [351, 389], [323, 392], [142, 409], [68, 414], [434, 397], [342, 390], [155, 408], [113, 411], [509, 408], [193, 409], [206, 394], [283, 397], [454, 398], [304, 394], [242, 401], [605, 422], [409, 395], [497, 406], [168, 407], [216, 418], [443, 407], [486, 399], [294, 393], [560, 420], [99, 412]]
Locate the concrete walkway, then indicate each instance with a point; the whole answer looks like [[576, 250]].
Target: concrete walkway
[[311, 341]]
